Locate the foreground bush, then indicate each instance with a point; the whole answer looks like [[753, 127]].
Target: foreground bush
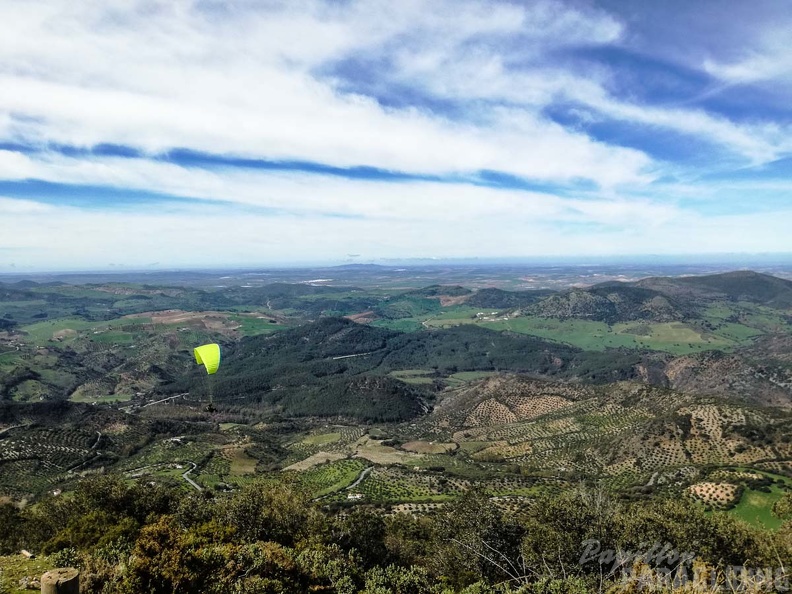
[[142, 538]]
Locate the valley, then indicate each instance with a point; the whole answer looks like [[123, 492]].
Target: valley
[[406, 398]]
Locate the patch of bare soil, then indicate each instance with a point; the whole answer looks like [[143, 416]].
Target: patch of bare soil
[[429, 447], [714, 494], [364, 317], [65, 333], [448, 300]]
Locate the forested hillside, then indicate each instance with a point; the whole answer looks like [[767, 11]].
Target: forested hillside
[[320, 367]]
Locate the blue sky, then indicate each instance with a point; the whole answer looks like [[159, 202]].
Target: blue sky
[[207, 133]]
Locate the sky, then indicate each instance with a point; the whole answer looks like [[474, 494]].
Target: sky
[[205, 133]]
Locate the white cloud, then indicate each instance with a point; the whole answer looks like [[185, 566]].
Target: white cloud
[[14, 165], [759, 143], [93, 239], [164, 75], [263, 80], [313, 194], [764, 59], [15, 206], [483, 74], [241, 78]]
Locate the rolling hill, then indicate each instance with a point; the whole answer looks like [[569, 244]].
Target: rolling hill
[[319, 368], [611, 303], [664, 299], [743, 285]]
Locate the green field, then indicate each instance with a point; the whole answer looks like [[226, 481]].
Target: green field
[[459, 312], [672, 337], [745, 320], [109, 399], [252, 326], [229, 426], [241, 462], [70, 329], [586, 334], [331, 477], [404, 325], [756, 507], [675, 337], [41, 332], [413, 376], [736, 332], [322, 439], [462, 377]]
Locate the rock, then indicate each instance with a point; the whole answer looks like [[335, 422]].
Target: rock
[[29, 583], [65, 580]]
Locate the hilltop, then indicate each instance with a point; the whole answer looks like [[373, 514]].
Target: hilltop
[[611, 303], [663, 299], [743, 285]]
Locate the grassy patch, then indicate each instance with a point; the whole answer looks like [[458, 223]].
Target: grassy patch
[[586, 334], [43, 331], [470, 376], [457, 313], [413, 376], [471, 447], [672, 337], [755, 507], [15, 567], [736, 332], [403, 325], [241, 461], [322, 439], [429, 447], [10, 359], [252, 325], [331, 477], [108, 399], [229, 426], [764, 318]]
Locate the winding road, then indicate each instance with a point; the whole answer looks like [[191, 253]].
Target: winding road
[[195, 485], [361, 478]]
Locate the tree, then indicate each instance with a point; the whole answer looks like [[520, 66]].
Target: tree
[[474, 541], [364, 532]]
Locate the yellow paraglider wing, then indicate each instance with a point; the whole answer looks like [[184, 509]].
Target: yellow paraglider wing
[[208, 355]]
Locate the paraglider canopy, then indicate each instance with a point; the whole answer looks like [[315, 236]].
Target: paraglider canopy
[[208, 355]]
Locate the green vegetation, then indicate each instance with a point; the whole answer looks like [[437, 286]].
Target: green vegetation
[[15, 568], [441, 405], [592, 336], [406, 325], [107, 399], [331, 477], [61, 330], [251, 325], [756, 507], [136, 537], [413, 376], [468, 376], [320, 439]]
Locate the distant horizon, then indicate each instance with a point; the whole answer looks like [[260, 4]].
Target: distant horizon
[[740, 261]]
